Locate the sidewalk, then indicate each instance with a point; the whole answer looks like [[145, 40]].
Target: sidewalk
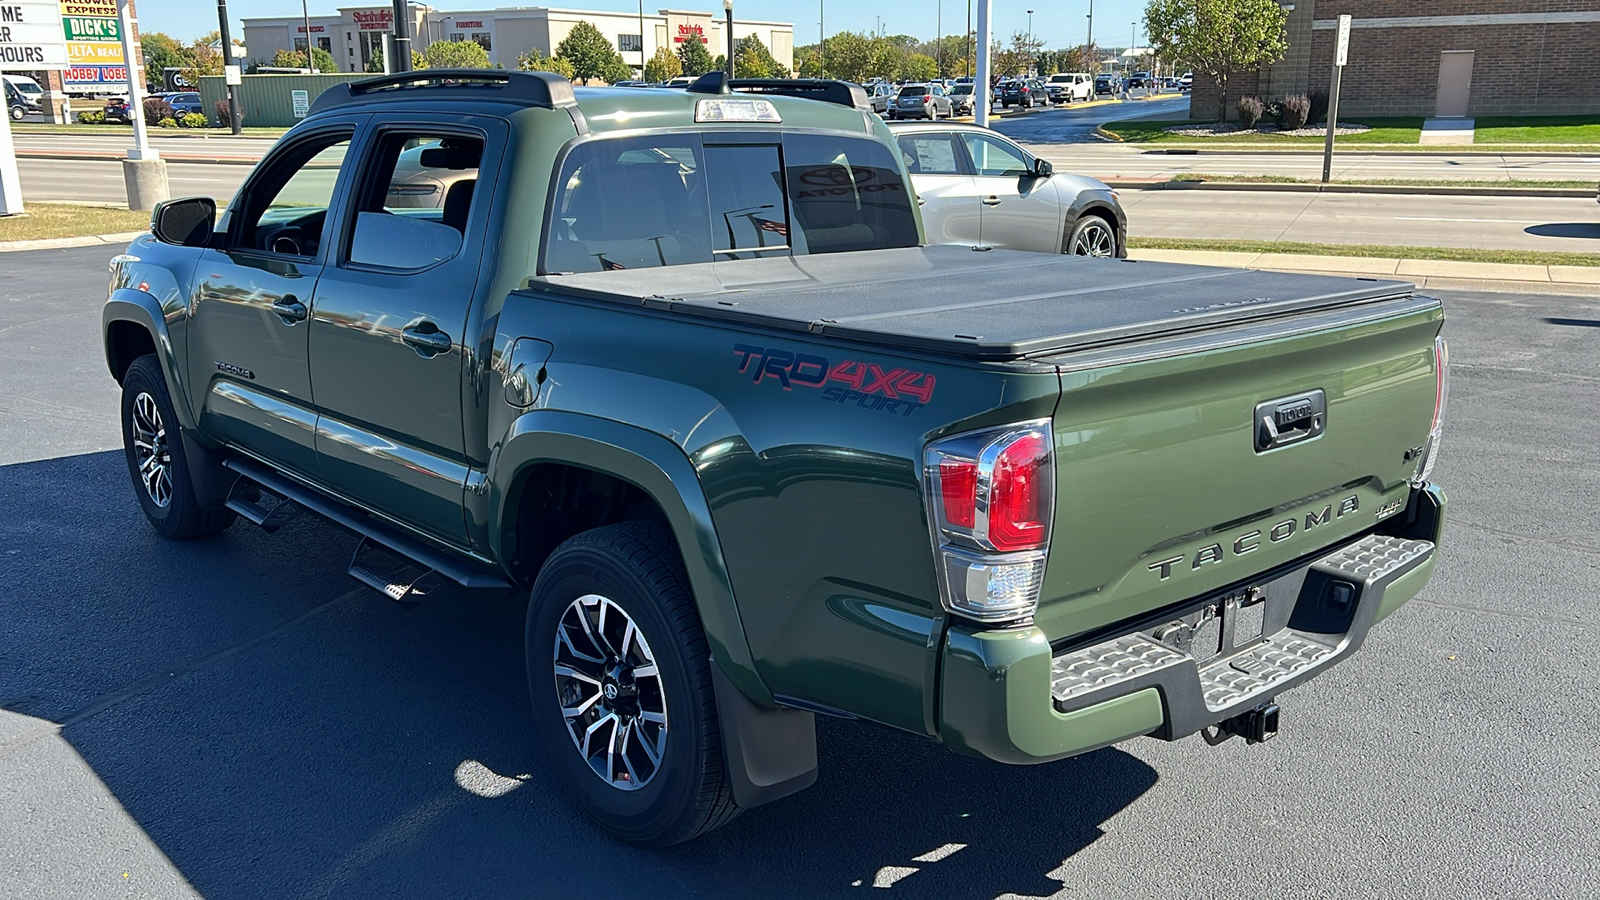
[[1578, 281]]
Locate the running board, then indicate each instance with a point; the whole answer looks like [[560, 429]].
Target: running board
[[401, 567]]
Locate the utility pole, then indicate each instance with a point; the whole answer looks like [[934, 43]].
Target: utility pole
[[822, 42], [305, 18], [402, 37], [727, 7], [234, 124], [966, 64], [982, 93], [641, 40], [144, 172], [1091, 31], [938, 38]]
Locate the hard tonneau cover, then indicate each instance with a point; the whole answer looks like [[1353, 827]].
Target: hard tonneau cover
[[983, 305]]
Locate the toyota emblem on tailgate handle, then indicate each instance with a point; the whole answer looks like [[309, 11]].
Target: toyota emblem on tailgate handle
[[1290, 420]]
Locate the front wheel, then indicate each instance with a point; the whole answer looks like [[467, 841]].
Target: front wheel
[[620, 677], [1091, 236], [17, 113], [156, 460]]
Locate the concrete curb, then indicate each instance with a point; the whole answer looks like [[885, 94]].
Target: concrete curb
[[87, 240], [1579, 281], [1347, 150], [1294, 188]]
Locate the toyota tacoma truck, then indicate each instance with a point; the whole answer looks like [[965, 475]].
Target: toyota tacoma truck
[[678, 367]]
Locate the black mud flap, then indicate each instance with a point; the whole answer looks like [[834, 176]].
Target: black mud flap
[[770, 753]]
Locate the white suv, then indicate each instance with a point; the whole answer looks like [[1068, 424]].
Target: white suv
[[1070, 87]]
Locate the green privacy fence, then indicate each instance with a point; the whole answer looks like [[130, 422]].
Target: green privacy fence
[[270, 100]]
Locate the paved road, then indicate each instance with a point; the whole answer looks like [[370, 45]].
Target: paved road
[[1566, 224], [234, 718]]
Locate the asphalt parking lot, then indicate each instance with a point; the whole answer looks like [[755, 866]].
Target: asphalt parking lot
[[237, 718]]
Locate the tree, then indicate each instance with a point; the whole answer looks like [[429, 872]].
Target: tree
[[720, 64], [534, 61], [1218, 37], [160, 52], [859, 58], [749, 64], [664, 66], [616, 70], [202, 60], [919, 67], [456, 55], [694, 57], [808, 61], [590, 54], [375, 61], [767, 62], [295, 59]]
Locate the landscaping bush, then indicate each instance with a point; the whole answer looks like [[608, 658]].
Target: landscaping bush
[[1319, 107], [1274, 111], [221, 106], [194, 120], [1296, 110], [92, 117], [1250, 110], [167, 122], [156, 109]]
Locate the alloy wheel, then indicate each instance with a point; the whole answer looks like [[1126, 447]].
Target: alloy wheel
[[610, 692], [1094, 239], [151, 453]]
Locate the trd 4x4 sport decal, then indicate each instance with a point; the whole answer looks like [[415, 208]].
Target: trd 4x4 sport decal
[[867, 385]]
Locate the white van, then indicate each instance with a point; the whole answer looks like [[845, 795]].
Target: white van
[[22, 95]]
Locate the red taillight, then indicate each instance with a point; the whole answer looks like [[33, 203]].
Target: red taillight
[[958, 491], [1019, 507]]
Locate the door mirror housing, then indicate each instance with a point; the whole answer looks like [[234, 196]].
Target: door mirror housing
[[1042, 168], [186, 221]]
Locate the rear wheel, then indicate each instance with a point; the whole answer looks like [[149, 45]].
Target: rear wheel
[[156, 461], [620, 676], [1091, 236]]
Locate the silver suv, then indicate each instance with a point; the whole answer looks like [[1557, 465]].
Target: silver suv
[[921, 101], [978, 188]]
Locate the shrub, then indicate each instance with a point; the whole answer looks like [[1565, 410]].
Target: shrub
[[221, 106], [1274, 111], [167, 122], [156, 109], [1296, 110], [92, 116], [1319, 107], [194, 120], [1250, 110]]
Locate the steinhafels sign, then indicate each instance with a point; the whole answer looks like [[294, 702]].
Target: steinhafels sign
[[690, 33], [373, 19], [683, 27]]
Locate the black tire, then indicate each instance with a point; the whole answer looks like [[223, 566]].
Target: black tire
[[17, 113], [1091, 235], [635, 566], [180, 517]]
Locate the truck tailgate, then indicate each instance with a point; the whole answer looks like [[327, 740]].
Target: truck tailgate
[[1165, 490]]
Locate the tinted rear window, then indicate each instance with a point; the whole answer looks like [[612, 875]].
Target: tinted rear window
[[913, 90], [663, 200]]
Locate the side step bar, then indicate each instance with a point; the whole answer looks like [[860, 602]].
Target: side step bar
[[406, 556]]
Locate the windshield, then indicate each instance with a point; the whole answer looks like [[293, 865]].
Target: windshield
[[26, 87]]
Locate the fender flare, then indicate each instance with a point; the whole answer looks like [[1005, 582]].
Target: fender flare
[[140, 308], [661, 469], [1096, 202]]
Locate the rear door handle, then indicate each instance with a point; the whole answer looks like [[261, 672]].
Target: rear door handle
[[991, 201], [426, 338], [289, 309]]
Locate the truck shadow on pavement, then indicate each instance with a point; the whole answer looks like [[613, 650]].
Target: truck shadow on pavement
[[1565, 230], [279, 731]]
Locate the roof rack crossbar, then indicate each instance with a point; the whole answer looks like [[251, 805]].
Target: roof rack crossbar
[[844, 93], [542, 89]]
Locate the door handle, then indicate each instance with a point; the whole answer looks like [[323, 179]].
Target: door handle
[[991, 201], [289, 309], [426, 338]]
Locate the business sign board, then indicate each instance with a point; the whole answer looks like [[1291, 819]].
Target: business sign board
[[94, 45], [31, 36], [373, 19], [301, 102]]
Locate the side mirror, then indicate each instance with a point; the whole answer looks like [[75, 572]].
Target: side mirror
[[1043, 168], [186, 222]]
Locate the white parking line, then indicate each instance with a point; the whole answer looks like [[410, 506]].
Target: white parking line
[[1450, 219]]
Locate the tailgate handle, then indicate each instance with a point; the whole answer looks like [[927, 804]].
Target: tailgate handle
[[1290, 420]]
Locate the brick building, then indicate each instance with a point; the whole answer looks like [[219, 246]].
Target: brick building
[[1435, 57]]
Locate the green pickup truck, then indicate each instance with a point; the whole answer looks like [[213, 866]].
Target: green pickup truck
[[678, 367]]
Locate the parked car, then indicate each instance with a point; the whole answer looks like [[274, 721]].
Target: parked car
[[22, 96], [1020, 92], [962, 98], [1186, 81], [117, 110], [977, 187], [1139, 80], [749, 450], [921, 101], [1070, 87], [880, 94], [183, 102], [1107, 83]]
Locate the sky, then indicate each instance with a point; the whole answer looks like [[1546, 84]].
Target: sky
[[1058, 25]]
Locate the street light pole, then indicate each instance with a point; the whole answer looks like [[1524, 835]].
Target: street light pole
[[641, 39], [938, 38], [402, 37], [822, 42], [1030, 40], [966, 64], [1091, 31], [234, 124], [727, 7]]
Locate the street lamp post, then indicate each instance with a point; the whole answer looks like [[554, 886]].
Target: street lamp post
[[641, 40], [305, 17], [727, 7], [1030, 40], [822, 43], [1090, 38]]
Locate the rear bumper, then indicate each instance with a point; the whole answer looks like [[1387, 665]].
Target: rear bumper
[[1009, 696]]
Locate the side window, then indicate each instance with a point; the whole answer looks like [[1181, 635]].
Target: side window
[[848, 194], [992, 157], [748, 215], [412, 208], [286, 210], [630, 203], [929, 154]]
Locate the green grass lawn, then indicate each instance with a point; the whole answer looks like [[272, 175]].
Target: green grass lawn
[[1402, 182], [1493, 134], [76, 128], [1455, 254], [59, 220]]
